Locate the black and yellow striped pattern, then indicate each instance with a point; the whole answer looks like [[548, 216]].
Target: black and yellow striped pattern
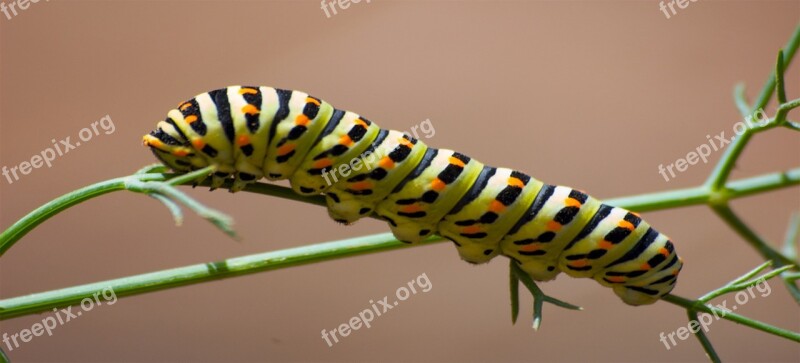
[[252, 132]]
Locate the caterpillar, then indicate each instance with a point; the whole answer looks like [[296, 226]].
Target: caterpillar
[[248, 133]]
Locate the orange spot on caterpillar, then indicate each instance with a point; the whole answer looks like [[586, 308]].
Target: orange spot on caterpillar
[[606, 245], [471, 229], [156, 143], [627, 225], [346, 140], [515, 182], [250, 110], [554, 226], [184, 106], [572, 202], [246, 90], [386, 162], [285, 149], [198, 144], [496, 206], [301, 120], [361, 185], [405, 142], [180, 152], [311, 100], [437, 184], [456, 161], [530, 248], [615, 278], [663, 251], [411, 208], [190, 119], [151, 141], [579, 263], [243, 140], [322, 163], [645, 266]]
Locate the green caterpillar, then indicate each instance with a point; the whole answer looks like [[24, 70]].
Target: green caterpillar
[[252, 132]]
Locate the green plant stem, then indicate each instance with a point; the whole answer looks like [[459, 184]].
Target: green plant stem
[[55, 206], [188, 275], [769, 253], [769, 86], [701, 336], [204, 272], [790, 251], [722, 171], [740, 99], [704, 195], [695, 305]]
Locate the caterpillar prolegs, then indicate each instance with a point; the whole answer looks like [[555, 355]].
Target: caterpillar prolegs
[[252, 132]]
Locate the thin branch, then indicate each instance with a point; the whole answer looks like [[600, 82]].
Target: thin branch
[[763, 248], [769, 86], [55, 206], [779, 85], [514, 289], [696, 305], [703, 195], [203, 272], [723, 168], [740, 99], [790, 250], [539, 297], [704, 341]]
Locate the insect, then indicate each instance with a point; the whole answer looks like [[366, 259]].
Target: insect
[[248, 133]]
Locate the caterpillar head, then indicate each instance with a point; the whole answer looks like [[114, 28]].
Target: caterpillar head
[[172, 149]]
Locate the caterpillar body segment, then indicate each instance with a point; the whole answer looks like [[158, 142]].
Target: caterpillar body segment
[[396, 155], [345, 138], [249, 133]]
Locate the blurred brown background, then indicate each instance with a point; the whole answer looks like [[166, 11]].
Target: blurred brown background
[[593, 95]]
